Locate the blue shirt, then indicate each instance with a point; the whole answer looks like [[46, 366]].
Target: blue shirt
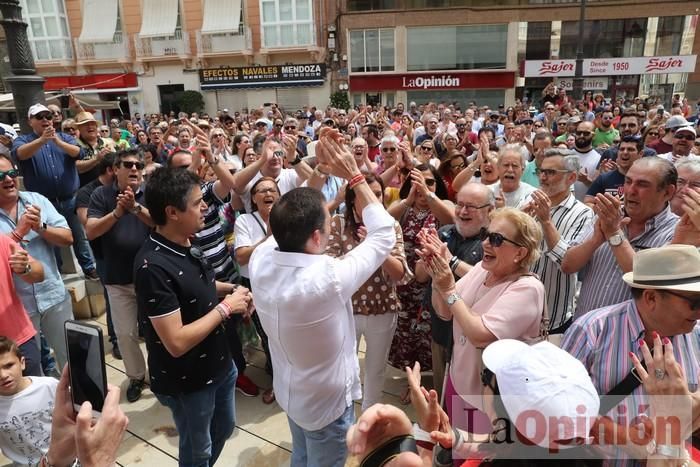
[[51, 171], [38, 297]]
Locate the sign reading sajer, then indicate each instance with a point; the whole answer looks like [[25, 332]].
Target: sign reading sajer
[[612, 66], [267, 76]]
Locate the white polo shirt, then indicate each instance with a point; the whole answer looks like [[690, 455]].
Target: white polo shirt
[[303, 302]]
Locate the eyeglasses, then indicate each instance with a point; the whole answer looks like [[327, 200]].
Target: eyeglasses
[[430, 181], [389, 149], [131, 164], [279, 154], [682, 182], [628, 125], [470, 207], [549, 172], [12, 173], [584, 133], [44, 116], [265, 191], [457, 167], [693, 302], [684, 136], [495, 239]]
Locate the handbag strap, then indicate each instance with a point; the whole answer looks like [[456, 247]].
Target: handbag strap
[[621, 390]]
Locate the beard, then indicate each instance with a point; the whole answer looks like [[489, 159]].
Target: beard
[[582, 143]]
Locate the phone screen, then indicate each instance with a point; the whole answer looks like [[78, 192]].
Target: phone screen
[[87, 367]]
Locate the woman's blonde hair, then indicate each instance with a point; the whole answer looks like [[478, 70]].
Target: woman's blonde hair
[[529, 232]]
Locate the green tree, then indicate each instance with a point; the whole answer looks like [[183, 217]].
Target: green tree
[[340, 100], [191, 101]]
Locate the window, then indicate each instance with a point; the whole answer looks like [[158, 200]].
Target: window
[[371, 50], [457, 47], [366, 5], [604, 38], [287, 23], [668, 35], [48, 29]]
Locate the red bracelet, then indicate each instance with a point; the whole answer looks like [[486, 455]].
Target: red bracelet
[[16, 236], [227, 308], [356, 180]]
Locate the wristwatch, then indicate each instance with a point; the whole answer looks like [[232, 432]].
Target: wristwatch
[[296, 160], [616, 239], [43, 227], [136, 209], [665, 450], [27, 270], [453, 298]]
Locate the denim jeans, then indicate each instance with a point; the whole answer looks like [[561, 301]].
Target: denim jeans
[[204, 420], [81, 247], [32, 358], [321, 448]]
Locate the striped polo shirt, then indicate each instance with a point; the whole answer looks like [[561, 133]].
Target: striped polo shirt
[[601, 278], [570, 217], [602, 339]]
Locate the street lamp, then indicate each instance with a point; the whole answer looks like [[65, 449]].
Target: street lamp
[[578, 72], [27, 87]]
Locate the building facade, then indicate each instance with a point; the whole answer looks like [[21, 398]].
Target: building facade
[[145, 53], [391, 51]]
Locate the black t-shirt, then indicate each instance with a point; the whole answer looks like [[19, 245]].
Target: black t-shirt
[[609, 182], [82, 200], [611, 153], [120, 243], [468, 250], [168, 278]]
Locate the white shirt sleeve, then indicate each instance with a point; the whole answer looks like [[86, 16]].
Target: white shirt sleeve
[[242, 231], [360, 263]]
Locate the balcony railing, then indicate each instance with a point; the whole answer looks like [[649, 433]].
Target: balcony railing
[[117, 50], [177, 45], [223, 43]]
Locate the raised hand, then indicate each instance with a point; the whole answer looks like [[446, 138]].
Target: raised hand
[[333, 155], [691, 206], [607, 208], [289, 142], [97, 443], [418, 182], [376, 426], [541, 206], [19, 259], [30, 220]]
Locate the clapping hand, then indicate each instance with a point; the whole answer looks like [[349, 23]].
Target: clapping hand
[[608, 209], [30, 220], [437, 266], [418, 182], [126, 200], [289, 142], [19, 259], [540, 206], [333, 155], [691, 205]]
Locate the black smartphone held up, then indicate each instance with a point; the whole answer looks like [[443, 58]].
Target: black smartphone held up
[[86, 363]]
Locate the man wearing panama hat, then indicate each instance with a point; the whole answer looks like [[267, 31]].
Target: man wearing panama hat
[[665, 286]]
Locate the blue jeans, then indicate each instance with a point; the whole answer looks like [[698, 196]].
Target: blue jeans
[[32, 358], [204, 420], [81, 247], [321, 448]]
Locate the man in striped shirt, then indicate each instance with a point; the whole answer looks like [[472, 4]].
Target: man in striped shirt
[[563, 218], [667, 305], [604, 250]]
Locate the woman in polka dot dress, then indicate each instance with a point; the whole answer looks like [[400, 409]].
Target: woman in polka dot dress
[[376, 303]]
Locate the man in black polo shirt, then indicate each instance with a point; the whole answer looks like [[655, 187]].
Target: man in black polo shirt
[[182, 318], [630, 149], [105, 171], [117, 217], [474, 203]]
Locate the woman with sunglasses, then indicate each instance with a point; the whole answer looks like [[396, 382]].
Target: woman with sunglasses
[[497, 299], [251, 230], [376, 302], [425, 153], [651, 133], [449, 169], [421, 207]]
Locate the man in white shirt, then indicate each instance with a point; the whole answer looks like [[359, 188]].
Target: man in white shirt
[[509, 190], [303, 299], [681, 144], [588, 156]]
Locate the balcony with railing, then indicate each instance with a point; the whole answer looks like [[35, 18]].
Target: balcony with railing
[[163, 48], [104, 52], [225, 43]]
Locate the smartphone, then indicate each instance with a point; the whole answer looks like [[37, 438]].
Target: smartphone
[[86, 363]]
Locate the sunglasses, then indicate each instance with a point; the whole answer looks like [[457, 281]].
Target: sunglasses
[[693, 302], [426, 148], [584, 133], [278, 126], [653, 133], [495, 239], [388, 149], [44, 116], [265, 191], [458, 167], [290, 128], [12, 173], [131, 164], [684, 136]]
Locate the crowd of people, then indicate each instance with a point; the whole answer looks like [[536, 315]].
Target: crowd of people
[[500, 250]]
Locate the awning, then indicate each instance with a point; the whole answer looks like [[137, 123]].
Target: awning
[[7, 103], [221, 16], [159, 18], [99, 20]]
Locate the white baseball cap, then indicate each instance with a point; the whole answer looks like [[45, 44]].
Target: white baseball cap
[[36, 109], [545, 380]]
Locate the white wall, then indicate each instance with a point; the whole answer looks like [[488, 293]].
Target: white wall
[[161, 74]]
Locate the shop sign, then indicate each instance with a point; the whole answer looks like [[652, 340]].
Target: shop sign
[[432, 81], [589, 84], [612, 66], [267, 76]]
